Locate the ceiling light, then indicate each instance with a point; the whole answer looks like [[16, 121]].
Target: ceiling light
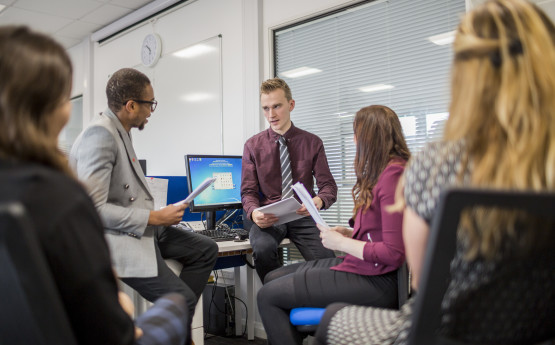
[[196, 50], [443, 39], [300, 72], [197, 97], [376, 87]]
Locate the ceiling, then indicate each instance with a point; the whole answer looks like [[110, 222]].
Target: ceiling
[[68, 21], [71, 21]]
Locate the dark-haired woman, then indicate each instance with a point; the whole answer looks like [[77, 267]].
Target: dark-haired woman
[[374, 245], [35, 86]]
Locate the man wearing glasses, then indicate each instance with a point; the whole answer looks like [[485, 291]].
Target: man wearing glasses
[[140, 238]]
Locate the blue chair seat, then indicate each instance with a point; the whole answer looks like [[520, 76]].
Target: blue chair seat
[[306, 316]]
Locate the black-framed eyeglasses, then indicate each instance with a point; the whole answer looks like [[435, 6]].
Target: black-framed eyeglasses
[[153, 104]]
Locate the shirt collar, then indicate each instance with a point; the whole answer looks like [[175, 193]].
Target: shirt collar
[[288, 135]]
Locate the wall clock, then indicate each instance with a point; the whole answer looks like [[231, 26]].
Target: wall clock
[[151, 49]]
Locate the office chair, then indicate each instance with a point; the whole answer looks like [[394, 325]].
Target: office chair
[[31, 309], [307, 320], [517, 306]]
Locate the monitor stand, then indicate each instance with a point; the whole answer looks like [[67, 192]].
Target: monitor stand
[[211, 220]]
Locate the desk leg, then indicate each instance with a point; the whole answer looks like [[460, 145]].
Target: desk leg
[[250, 299], [238, 305]]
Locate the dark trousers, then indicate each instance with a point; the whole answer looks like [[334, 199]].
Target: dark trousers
[[314, 284], [302, 232], [197, 254]]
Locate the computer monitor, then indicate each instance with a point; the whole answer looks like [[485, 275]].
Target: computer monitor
[[224, 193]]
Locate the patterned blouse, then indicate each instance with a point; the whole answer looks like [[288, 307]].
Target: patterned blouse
[[432, 171]]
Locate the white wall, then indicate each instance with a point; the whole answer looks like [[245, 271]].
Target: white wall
[[184, 27], [238, 21]]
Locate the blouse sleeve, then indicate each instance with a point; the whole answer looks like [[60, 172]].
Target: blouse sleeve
[[390, 251], [430, 172]]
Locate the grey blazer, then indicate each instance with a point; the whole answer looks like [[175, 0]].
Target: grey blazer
[[103, 158]]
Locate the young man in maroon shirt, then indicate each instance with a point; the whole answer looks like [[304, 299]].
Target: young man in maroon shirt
[[262, 181]]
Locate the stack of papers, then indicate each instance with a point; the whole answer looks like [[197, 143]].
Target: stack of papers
[[305, 197], [285, 210], [205, 184]]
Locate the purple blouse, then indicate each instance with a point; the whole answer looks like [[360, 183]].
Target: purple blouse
[[381, 230]]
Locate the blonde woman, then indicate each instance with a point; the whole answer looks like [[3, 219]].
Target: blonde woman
[[500, 134]]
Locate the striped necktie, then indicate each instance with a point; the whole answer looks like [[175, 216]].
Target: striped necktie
[[285, 162]]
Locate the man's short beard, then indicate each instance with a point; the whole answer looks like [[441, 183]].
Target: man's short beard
[[141, 126]]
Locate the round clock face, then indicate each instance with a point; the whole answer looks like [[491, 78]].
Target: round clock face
[[151, 49]]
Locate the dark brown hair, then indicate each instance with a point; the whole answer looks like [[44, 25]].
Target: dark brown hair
[[379, 139], [35, 79]]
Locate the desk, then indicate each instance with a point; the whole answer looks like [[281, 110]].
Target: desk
[[227, 249]]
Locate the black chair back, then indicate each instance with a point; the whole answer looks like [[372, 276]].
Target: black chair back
[[403, 284], [31, 311], [532, 292]]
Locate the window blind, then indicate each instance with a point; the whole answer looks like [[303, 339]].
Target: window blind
[[379, 52]]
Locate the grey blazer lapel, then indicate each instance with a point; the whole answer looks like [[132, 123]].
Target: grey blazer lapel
[[133, 160]]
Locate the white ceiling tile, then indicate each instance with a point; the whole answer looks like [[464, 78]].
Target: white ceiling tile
[[74, 9], [134, 4], [67, 42], [78, 29], [106, 14], [39, 22]]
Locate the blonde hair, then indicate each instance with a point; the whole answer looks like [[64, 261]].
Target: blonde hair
[[276, 84], [503, 107]]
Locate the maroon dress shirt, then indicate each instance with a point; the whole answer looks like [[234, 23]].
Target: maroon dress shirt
[[261, 175], [380, 229]]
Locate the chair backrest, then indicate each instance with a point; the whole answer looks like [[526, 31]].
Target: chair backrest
[[403, 284], [31, 311], [426, 318]]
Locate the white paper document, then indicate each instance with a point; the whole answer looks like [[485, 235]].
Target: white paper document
[[305, 197], [205, 184], [284, 209], [159, 190]]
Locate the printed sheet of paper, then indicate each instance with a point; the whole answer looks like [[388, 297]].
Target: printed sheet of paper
[[205, 184], [159, 190], [305, 197], [284, 209]]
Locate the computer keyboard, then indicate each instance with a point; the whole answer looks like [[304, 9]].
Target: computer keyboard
[[242, 233], [218, 235]]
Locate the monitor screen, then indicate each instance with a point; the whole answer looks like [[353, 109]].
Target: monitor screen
[[225, 192]]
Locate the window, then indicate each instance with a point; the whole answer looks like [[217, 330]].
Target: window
[[73, 127], [395, 53]]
